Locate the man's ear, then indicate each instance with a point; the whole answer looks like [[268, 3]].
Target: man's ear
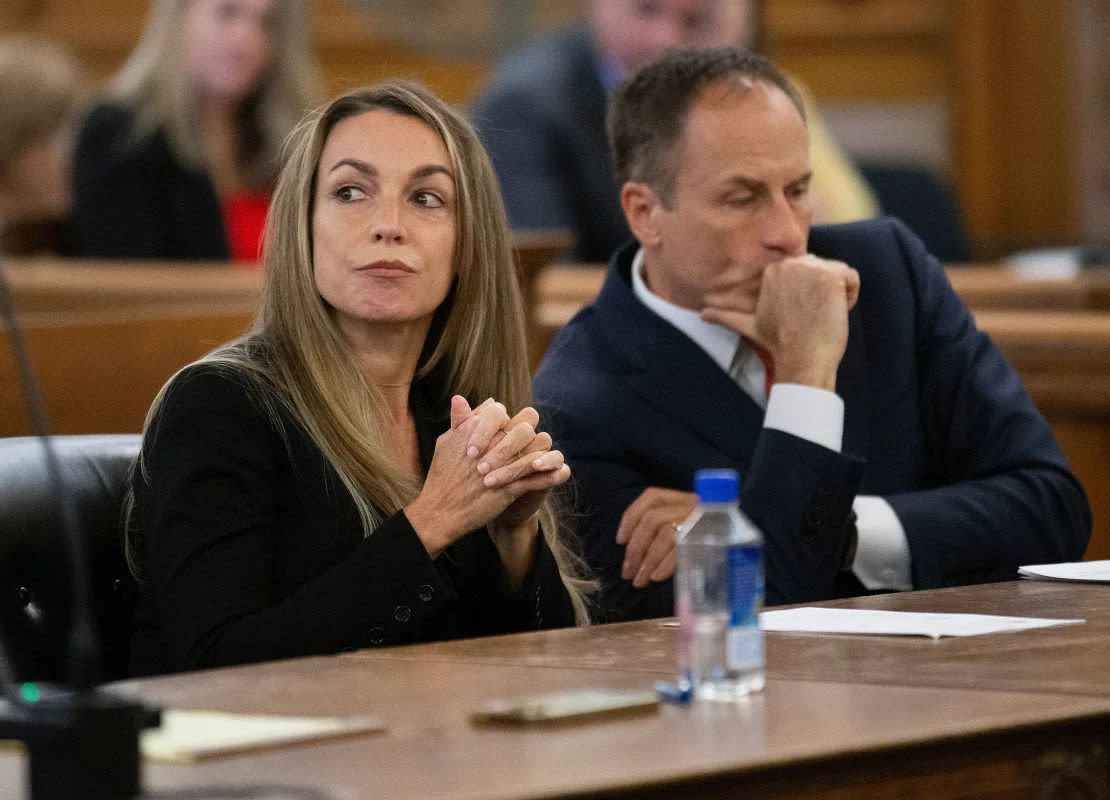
[[642, 207]]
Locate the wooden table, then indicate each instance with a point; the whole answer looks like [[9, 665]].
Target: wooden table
[[1070, 659], [1021, 715]]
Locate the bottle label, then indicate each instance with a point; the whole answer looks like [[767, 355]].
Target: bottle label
[[745, 601]]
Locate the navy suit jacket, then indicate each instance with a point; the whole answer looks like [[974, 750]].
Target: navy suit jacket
[[542, 120], [936, 422]]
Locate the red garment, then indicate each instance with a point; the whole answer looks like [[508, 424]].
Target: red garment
[[244, 220]]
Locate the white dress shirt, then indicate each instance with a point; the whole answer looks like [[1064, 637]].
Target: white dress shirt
[[816, 415]]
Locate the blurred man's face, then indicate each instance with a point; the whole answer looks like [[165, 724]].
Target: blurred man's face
[[636, 32]]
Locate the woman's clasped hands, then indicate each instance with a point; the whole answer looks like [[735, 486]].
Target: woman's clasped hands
[[488, 469]]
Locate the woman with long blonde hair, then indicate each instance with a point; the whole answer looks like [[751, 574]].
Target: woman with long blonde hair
[[361, 468], [180, 160]]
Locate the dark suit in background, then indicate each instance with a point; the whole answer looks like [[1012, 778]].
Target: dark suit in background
[[132, 198], [936, 422], [542, 120], [253, 549]]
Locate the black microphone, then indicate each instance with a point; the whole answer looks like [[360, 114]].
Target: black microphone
[[83, 741]]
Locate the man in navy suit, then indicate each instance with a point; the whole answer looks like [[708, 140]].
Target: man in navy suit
[[883, 442]]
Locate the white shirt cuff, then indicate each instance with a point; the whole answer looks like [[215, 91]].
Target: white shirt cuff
[[883, 555], [816, 415]]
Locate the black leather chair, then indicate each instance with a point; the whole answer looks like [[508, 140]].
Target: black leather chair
[[925, 203], [35, 583]]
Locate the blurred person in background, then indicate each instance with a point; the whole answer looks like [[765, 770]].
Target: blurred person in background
[[180, 160], [542, 118], [40, 100]]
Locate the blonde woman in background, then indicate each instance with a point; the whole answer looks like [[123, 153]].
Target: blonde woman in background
[[40, 100], [180, 161], [342, 476]]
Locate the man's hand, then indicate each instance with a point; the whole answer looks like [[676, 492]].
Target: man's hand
[[647, 530], [800, 316]]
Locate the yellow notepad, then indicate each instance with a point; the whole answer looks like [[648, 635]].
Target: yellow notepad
[[187, 736]]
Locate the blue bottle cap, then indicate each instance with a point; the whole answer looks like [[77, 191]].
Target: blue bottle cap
[[679, 693], [717, 485]]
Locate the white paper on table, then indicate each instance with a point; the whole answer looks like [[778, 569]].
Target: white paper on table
[[1091, 571], [187, 736], [897, 623]]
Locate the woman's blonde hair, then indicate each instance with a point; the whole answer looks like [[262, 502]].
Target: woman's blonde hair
[[40, 93], [296, 357], [154, 82]]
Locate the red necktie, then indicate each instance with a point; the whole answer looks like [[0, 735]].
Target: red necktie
[[768, 363]]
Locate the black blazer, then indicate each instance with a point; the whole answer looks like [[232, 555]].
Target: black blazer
[[133, 199], [253, 549], [542, 120], [936, 422]]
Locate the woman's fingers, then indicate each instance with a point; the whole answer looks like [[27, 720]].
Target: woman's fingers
[[490, 419], [502, 452], [507, 447], [528, 415], [538, 481], [516, 435], [460, 411], [529, 463], [500, 460]]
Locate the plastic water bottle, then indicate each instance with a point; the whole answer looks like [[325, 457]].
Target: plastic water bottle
[[719, 593]]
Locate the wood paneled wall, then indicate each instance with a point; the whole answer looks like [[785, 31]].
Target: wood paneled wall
[[1015, 122], [864, 50], [1002, 70]]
